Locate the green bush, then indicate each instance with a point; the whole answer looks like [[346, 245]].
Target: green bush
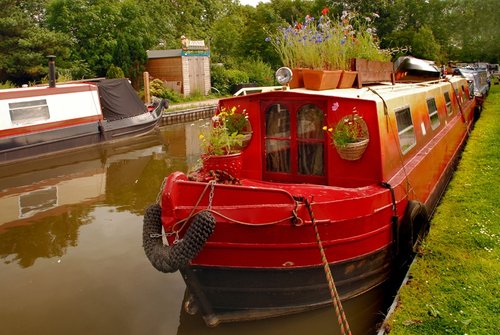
[[224, 79], [63, 75], [157, 89], [259, 72], [115, 72], [78, 69], [7, 84]]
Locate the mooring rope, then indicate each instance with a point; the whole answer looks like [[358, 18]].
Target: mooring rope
[[339, 310], [179, 225]]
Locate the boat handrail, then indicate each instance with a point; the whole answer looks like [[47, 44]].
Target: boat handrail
[[401, 88], [259, 89]]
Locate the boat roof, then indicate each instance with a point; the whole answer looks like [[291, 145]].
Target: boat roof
[[6, 91], [373, 92]]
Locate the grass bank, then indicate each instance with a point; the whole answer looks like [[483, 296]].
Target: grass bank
[[454, 285]]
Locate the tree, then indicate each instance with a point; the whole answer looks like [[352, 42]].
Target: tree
[[133, 36], [194, 18], [25, 43], [475, 27], [105, 33], [91, 26], [88, 36], [425, 46]]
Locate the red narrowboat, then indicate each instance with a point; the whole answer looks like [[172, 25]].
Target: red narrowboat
[[257, 247]]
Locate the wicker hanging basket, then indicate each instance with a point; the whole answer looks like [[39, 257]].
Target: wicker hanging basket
[[351, 137], [352, 151]]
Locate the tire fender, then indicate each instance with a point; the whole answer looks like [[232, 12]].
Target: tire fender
[[414, 226], [166, 258]]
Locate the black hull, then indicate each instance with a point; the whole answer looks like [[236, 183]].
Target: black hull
[[31, 145], [240, 294], [132, 126]]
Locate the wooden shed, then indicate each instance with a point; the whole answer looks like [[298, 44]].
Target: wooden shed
[[185, 70]]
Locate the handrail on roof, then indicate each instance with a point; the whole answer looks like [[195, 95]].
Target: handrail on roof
[[257, 89]]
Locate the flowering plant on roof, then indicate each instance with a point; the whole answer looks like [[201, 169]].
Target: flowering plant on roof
[[327, 43]]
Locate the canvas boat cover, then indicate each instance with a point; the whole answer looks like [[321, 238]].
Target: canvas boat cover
[[119, 100]]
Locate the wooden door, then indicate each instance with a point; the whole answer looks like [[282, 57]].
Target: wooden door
[[196, 75]]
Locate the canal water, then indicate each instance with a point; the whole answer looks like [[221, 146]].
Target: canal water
[[71, 257]]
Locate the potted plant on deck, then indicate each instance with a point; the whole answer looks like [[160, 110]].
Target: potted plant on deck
[[236, 121], [222, 141]]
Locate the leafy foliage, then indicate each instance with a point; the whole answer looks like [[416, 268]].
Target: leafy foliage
[[225, 79], [159, 90], [88, 36], [115, 72], [217, 139], [25, 43], [258, 72]]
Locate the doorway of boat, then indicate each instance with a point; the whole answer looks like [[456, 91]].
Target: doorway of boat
[[294, 143]]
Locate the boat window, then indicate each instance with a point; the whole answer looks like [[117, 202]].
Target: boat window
[[433, 113], [278, 139], [294, 142], [464, 93], [310, 140], [448, 103], [28, 112], [458, 95], [406, 130], [37, 201]]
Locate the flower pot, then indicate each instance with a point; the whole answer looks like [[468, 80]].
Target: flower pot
[[321, 79], [232, 163], [297, 78], [347, 79], [352, 151]]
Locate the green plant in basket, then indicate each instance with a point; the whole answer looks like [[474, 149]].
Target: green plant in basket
[[350, 129]]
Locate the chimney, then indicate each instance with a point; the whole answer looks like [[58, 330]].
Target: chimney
[[52, 70]]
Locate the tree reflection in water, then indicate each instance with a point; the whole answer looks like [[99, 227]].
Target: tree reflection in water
[[126, 176], [51, 236]]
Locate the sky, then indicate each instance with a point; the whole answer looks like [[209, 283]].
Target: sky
[[252, 2]]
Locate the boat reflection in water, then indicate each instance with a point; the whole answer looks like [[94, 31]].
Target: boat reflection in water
[[71, 255], [364, 314], [53, 198]]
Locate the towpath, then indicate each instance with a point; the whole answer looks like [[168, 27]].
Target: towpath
[[193, 104], [189, 111]]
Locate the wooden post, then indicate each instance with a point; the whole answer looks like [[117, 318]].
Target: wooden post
[[147, 93]]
